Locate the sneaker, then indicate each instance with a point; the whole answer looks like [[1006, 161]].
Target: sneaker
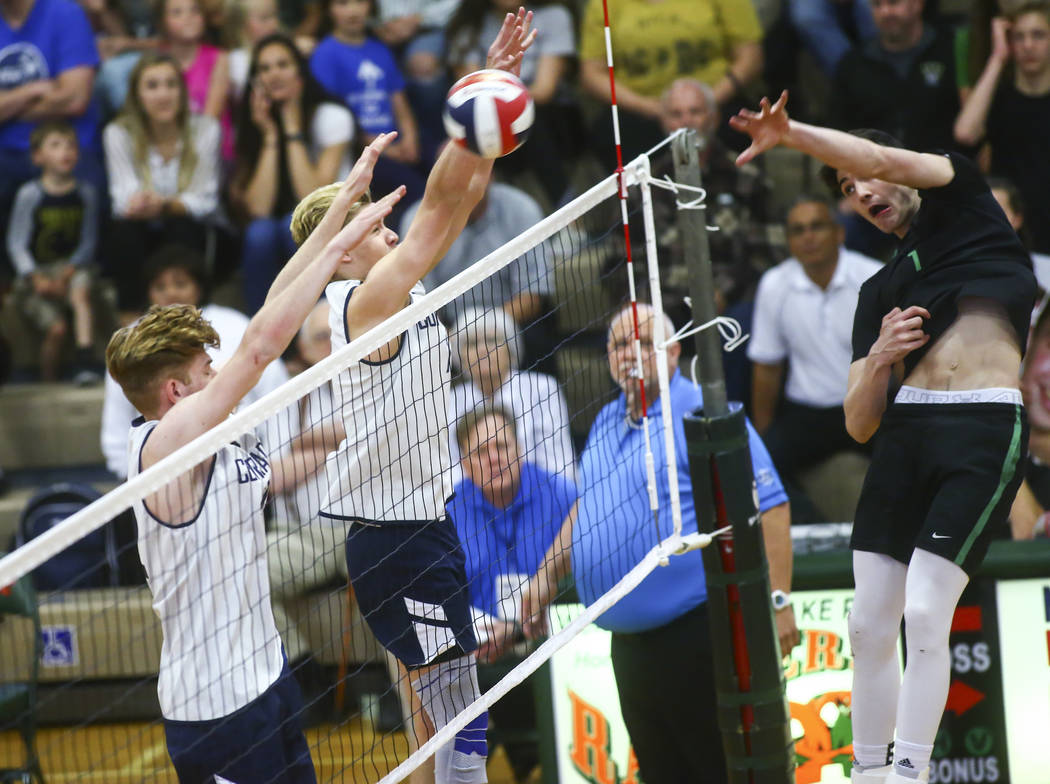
[[897, 778], [877, 775]]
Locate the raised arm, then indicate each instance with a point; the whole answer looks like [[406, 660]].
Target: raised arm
[[267, 336], [970, 124], [354, 186], [864, 159]]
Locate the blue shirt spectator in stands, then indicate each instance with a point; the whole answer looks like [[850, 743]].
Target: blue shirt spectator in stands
[[674, 732], [47, 69], [507, 513], [362, 72]]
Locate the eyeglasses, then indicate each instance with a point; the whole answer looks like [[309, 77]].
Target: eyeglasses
[[798, 229]]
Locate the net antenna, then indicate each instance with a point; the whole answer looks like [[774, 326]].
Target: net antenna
[[659, 342]]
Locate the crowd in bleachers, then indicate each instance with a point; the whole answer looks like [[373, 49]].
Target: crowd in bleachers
[[129, 126]]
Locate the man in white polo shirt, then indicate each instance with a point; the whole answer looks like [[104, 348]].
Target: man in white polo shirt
[[803, 320]]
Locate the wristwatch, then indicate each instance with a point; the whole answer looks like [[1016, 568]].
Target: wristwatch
[[781, 600]]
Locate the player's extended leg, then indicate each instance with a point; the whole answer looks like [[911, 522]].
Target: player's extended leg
[[446, 689], [933, 589], [874, 627]]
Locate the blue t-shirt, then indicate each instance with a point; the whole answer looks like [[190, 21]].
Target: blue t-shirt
[[508, 541], [614, 529], [363, 76], [55, 37]]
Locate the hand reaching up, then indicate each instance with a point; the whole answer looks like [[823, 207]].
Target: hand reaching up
[[766, 127], [511, 42], [366, 219]]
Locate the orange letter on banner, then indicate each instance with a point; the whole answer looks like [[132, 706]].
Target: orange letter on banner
[[590, 743], [632, 769], [822, 651]]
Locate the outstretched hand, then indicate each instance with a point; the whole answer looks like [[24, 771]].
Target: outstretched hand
[[766, 127], [511, 42], [353, 233]]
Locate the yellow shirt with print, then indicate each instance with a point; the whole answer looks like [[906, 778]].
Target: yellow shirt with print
[[655, 43]]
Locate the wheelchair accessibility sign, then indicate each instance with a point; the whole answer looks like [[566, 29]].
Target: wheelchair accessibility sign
[[60, 646]]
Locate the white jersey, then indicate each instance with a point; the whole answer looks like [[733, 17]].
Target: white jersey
[[210, 587], [394, 465]]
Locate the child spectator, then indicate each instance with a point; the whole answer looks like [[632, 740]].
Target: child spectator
[[290, 141], [204, 67], [163, 165], [361, 71], [51, 240], [1009, 198], [544, 69]]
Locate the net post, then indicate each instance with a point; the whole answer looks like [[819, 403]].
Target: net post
[[749, 679]]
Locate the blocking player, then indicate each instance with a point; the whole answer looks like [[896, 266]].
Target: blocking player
[[939, 332], [230, 706], [390, 479]]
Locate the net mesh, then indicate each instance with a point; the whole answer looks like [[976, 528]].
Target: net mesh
[[248, 533]]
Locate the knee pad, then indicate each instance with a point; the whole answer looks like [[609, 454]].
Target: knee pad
[[870, 634]]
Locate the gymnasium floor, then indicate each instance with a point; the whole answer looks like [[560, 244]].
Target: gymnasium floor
[[133, 753]]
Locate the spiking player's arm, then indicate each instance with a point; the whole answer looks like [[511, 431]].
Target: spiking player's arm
[[455, 186], [770, 126], [267, 336], [354, 186]]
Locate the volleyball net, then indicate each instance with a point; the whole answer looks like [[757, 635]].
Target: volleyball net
[[530, 375]]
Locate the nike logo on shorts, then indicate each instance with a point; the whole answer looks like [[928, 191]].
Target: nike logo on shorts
[[941, 536]]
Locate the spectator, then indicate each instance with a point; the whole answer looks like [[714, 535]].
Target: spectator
[[748, 240], [544, 70], [361, 72], [902, 81], [1013, 113], [130, 30], [163, 165], [250, 21], [416, 31], [49, 60], [51, 241], [175, 275], [825, 27], [204, 67], [521, 288], [507, 513], [303, 18], [486, 348], [1009, 198], [674, 732], [804, 319], [1028, 515], [715, 41], [290, 140]]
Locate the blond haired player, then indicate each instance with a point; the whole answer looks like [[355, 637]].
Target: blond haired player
[[389, 480], [229, 704]]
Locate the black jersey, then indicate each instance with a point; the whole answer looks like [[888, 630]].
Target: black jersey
[[959, 245]]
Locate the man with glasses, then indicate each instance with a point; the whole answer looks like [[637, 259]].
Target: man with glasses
[[803, 320]]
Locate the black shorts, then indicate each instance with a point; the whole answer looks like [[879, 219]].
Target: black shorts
[[410, 582], [942, 478], [261, 742]]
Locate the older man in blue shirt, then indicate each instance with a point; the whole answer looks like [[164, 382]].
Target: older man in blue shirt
[[660, 629]]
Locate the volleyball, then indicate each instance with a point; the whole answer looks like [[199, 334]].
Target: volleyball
[[489, 112]]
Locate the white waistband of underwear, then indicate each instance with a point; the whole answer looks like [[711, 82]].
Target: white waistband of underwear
[[908, 394]]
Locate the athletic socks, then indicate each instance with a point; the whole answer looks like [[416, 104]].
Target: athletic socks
[[910, 759], [444, 690]]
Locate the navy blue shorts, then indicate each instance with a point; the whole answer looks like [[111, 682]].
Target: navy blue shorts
[[261, 742], [410, 583]]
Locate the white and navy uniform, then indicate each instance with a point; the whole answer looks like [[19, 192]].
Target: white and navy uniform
[[221, 662], [390, 479]]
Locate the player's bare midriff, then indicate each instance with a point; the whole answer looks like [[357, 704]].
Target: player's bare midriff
[[978, 351]]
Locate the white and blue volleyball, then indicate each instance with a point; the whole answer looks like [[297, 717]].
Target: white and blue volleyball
[[489, 112]]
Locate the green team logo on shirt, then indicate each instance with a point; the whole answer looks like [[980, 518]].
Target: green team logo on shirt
[[914, 256]]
